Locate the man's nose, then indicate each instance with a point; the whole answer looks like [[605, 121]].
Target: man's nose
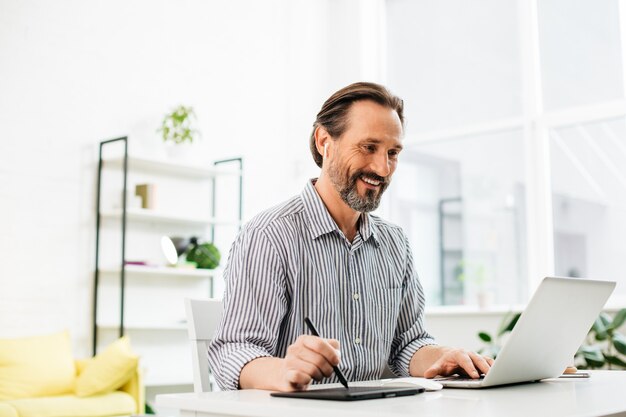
[[381, 164]]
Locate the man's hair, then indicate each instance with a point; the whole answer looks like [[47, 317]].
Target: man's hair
[[334, 113]]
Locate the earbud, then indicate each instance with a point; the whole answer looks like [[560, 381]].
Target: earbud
[[325, 151]]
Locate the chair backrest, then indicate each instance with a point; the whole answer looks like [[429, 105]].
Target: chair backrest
[[203, 317]]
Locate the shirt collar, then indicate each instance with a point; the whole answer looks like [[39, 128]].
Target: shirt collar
[[321, 221]]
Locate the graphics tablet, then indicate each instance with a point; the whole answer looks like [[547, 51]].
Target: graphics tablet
[[350, 394]]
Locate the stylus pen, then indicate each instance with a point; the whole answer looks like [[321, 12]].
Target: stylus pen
[[343, 380]]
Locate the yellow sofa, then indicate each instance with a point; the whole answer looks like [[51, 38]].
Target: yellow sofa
[[124, 401]]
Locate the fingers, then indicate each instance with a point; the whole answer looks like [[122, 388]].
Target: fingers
[[467, 365], [309, 358], [432, 372], [459, 361], [322, 347], [318, 364], [334, 343], [480, 362], [297, 381]]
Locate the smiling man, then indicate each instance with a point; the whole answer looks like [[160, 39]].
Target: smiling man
[[322, 255]]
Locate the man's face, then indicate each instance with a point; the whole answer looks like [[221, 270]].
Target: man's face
[[364, 158]]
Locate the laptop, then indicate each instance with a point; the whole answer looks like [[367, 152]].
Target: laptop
[[547, 335], [351, 393]]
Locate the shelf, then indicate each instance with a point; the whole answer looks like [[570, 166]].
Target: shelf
[[145, 215], [170, 168], [139, 270]]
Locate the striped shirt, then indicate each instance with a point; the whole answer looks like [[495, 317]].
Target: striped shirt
[[292, 262]]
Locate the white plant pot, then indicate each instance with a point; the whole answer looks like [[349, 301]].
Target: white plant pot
[[485, 299], [181, 152]]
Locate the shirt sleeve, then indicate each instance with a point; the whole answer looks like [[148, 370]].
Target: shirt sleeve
[[410, 334], [254, 305]]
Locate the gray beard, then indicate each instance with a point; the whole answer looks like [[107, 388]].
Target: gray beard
[[348, 191]]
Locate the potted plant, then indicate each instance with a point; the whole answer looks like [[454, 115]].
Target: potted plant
[[178, 132], [205, 255], [604, 346]]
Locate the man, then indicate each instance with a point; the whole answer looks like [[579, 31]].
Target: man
[[322, 255]]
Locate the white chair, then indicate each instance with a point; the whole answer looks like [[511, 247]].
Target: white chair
[[203, 317]]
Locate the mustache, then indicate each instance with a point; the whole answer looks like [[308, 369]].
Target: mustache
[[369, 175]]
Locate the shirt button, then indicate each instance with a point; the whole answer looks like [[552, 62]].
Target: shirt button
[[356, 296], [357, 341]]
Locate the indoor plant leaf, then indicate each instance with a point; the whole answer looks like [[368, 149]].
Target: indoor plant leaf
[[485, 337], [605, 318], [614, 360], [619, 319], [177, 126], [593, 357], [619, 341], [599, 327], [503, 323], [511, 324]]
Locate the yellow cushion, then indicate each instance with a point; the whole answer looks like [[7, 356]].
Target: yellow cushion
[[7, 411], [111, 404], [36, 366], [108, 370]]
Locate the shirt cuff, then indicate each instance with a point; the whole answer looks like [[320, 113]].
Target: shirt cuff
[[233, 357], [400, 365]]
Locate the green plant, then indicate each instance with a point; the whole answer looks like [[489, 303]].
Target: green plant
[[493, 344], [604, 345], [177, 126], [205, 255]]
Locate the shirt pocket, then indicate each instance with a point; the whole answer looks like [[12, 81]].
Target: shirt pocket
[[384, 306]]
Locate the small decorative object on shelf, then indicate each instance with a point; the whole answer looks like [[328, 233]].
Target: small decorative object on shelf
[[147, 192], [205, 255], [181, 244], [173, 248], [136, 263], [178, 132]]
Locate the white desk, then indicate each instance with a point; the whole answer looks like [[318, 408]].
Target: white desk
[[604, 394]]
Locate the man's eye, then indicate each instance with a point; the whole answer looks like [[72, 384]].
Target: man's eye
[[370, 148], [393, 154]]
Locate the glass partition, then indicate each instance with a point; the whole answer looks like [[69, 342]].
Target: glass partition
[[462, 203]]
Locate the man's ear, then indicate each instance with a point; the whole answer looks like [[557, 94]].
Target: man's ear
[[322, 139]]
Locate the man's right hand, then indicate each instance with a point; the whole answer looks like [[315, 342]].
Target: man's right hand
[[308, 358]]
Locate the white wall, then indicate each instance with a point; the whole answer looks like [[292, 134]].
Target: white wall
[[73, 73]]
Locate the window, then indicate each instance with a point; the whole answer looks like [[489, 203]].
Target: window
[[589, 200], [461, 202], [515, 151]]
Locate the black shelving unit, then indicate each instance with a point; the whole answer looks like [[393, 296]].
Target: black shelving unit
[[124, 141]]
